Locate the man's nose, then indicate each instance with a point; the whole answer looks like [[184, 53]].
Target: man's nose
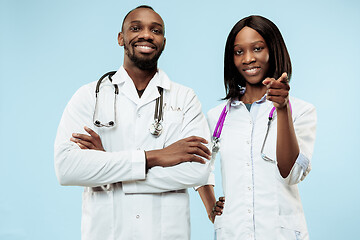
[[146, 34]]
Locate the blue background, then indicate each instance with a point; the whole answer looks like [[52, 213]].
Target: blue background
[[48, 49]]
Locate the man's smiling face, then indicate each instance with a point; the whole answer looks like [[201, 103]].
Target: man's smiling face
[[143, 38]]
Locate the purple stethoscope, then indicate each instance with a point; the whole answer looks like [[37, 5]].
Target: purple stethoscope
[[220, 124]]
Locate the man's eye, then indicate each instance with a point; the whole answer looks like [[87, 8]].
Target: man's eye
[[156, 31], [134, 28]]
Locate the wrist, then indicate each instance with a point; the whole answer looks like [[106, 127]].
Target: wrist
[[151, 159], [210, 207], [285, 109]]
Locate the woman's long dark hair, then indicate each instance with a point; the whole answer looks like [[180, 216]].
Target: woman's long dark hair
[[279, 59]]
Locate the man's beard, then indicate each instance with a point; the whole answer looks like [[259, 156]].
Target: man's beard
[[143, 64]]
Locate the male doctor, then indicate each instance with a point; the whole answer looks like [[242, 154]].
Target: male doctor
[[135, 182]]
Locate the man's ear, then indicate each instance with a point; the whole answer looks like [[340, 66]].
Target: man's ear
[[121, 39], [164, 43]]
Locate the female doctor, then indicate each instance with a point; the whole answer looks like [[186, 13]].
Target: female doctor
[[265, 139]]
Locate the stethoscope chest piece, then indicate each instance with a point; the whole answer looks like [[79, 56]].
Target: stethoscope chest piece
[[216, 145], [156, 128]]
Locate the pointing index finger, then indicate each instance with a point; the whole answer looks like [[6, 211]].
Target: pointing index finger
[[283, 78]]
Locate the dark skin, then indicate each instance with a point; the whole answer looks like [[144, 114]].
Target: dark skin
[[251, 57], [287, 147], [278, 92], [213, 208], [143, 38], [189, 149]]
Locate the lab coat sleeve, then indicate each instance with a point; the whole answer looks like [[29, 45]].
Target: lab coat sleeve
[[184, 175], [74, 166], [305, 130], [211, 180]]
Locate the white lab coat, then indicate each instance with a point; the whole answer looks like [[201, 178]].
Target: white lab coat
[[259, 203], [133, 204]]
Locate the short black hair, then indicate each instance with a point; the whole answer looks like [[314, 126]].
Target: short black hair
[[279, 59], [141, 6]]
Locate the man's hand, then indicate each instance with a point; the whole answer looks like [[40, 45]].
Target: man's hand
[[189, 149], [85, 141], [278, 90], [217, 209]]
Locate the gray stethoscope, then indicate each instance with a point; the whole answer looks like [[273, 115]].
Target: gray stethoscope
[[219, 126], [155, 128]]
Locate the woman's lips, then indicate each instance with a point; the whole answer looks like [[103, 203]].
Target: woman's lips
[[252, 71]]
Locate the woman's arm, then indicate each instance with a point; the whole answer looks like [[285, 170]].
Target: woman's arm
[[213, 208], [287, 147]]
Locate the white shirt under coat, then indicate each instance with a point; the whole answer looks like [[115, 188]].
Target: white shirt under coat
[[121, 200], [259, 203]]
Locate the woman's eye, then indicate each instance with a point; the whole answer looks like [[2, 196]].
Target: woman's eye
[[258, 49], [238, 52]]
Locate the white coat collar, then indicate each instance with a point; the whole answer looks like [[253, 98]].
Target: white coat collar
[[127, 86], [160, 78], [237, 102]]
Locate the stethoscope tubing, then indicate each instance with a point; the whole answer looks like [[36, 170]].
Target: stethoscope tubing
[[155, 128], [220, 123]]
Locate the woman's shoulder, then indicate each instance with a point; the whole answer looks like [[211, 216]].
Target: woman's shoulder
[[299, 102], [215, 112], [300, 106]]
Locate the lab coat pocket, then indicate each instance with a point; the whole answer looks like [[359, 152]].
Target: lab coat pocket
[[173, 117], [220, 231], [175, 215], [97, 215], [172, 126], [291, 228]]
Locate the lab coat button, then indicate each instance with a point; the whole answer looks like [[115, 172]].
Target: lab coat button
[[139, 115], [248, 142], [249, 188], [249, 210], [137, 216]]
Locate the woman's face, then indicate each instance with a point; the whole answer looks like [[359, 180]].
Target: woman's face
[[251, 55]]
